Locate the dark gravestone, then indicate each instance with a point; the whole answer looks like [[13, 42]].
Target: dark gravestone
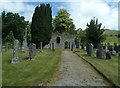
[[116, 48], [72, 47], [108, 55], [110, 48], [90, 49], [82, 46], [41, 46], [15, 52], [6, 47], [53, 46], [32, 50], [100, 52]]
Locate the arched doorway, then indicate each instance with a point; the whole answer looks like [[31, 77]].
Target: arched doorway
[[66, 45], [58, 40]]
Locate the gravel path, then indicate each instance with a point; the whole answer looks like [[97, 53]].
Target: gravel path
[[73, 71]]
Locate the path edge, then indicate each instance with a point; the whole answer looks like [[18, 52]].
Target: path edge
[[110, 81]]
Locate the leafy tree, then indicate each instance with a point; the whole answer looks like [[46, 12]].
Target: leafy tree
[[15, 23], [41, 27], [94, 32], [63, 23]]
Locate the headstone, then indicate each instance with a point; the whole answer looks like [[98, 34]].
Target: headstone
[[82, 46], [6, 47], [53, 46], [108, 55], [15, 52], [100, 52], [110, 48], [41, 46], [24, 45], [90, 49], [116, 48], [32, 50], [72, 47]]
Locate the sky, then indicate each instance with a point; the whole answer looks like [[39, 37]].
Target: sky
[[81, 11]]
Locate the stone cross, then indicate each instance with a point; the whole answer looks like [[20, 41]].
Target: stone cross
[[24, 45], [90, 49], [32, 50], [15, 52]]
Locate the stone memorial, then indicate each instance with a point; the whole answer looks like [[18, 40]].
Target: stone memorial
[[110, 48], [108, 55], [41, 48], [15, 58], [100, 52], [72, 47], [116, 48], [90, 49], [6, 47], [32, 50], [24, 45], [53, 46]]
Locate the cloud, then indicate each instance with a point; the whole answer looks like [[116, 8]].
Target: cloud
[[82, 12]]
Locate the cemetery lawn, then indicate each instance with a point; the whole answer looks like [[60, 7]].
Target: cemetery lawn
[[109, 68], [29, 72]]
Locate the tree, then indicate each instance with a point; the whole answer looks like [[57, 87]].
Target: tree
[[15, 23], [63, 23], [94, 32], [41, 27]]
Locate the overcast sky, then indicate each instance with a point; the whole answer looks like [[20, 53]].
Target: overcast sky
[[81, 11]]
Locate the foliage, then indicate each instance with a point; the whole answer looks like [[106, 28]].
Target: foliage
[[15, 23], [41, 27], [94, 33], [63, 23]]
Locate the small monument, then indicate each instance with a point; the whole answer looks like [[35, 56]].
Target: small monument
[[53, 46], [100, 52], [32, 50], [90, 49], [41, 47], [15, 52], [24, 45]]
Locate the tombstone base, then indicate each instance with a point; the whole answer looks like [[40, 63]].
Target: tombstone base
[[14, 60]]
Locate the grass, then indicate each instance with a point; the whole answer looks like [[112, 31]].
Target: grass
[[107, 67], [30, 72]]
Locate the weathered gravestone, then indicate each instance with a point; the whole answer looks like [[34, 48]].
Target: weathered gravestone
[[15, 58], [41, 47], [100, 51], [110, 48], [53, 46], [6, 47], [82, 46], [72, 47], [32, 50], [108, 55], [90, 49], [116, 48], [24, 45]]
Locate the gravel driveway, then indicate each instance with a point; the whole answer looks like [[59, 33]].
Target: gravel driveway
[[73, 71]]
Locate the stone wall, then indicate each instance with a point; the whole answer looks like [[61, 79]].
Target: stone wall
[[63, 38]]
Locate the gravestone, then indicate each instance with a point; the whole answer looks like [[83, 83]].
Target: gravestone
[[15, 52], [110, 48], [82, 46], [100, 52], [41, 46], [24, 45], [108, 55], [6, 47], [32, 50], [53, 46], [72, 47], [116, 49], [90, 49]]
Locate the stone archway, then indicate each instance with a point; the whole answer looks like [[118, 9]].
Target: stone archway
[[66, 44]]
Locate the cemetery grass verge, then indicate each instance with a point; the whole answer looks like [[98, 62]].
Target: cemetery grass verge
[[107, 68], [30, 72]]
